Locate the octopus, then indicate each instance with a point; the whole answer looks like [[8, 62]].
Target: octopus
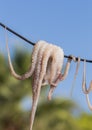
[[45, 69], [84, 86]]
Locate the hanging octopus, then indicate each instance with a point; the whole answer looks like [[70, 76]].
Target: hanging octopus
[[46, 67]]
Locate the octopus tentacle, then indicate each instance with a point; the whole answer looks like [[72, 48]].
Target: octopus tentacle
[[67, 67], [38, 64], [45, 59], [56, 66], [88, 101], [84, 87], [37, 81], [75, 75], [38, 88], [32, 67]]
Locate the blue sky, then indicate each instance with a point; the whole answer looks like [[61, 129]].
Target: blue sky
[[66, 23]]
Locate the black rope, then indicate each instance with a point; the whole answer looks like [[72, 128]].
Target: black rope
[[10, 30], [28, 41]]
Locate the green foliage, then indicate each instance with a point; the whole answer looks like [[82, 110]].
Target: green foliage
[[86, 121], [3, 70], [54, 115], [11, 93]]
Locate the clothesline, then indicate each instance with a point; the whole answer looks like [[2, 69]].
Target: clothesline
[[28, 41]]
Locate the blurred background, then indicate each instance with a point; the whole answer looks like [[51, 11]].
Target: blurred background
[[67, 24]]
